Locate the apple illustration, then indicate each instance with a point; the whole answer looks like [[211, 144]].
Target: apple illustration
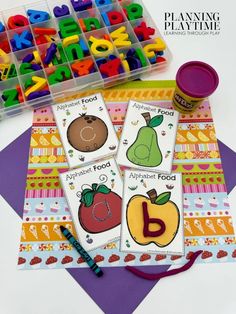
[[100, 209], [154, 219]]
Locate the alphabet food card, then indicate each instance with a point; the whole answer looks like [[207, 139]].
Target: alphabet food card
[[148, 138], [94, 195], [152, 213], [86, 130]]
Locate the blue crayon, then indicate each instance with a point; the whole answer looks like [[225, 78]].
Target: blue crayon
[[98, 272]]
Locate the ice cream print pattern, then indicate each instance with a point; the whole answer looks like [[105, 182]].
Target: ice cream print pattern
[[95, 202], [204, 198], [86, 130], [34, 231], [143, 142]]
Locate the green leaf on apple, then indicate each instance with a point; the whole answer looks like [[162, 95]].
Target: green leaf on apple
[[87, 196], [163, 198], [103, 189], [85, 191], [87, 199]]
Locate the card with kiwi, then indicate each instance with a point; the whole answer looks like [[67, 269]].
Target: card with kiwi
[[148, 138], [94, 195], [86, 130], [152, 213]]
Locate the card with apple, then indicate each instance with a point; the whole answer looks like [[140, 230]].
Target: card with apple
[[148, 138], [94, 195], [152, 213]]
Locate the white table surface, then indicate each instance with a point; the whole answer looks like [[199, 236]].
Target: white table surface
[[203, 289]]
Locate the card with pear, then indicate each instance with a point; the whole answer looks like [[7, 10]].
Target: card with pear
[[148, 138]]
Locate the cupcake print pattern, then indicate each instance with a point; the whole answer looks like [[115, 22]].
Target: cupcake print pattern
[[36, 262], [186, 203], [27, 208], [114, 259], [130, 259], [145, 259], [207, 256], [55, 207], [213, 202], [199, 202], [51, 262], [67, 261], [176, 258], [99, 259], [160, 258], [40, 208], [222, 255], [80, 260], [21, 262]]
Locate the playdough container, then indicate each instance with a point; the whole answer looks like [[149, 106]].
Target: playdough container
[[195, 81]]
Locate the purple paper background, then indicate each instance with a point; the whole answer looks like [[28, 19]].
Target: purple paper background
[[117, 284]]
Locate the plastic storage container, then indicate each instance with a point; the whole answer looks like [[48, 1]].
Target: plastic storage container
[[99, 19]]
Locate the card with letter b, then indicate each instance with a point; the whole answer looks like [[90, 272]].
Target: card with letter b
[[152, 213], [148, 138]]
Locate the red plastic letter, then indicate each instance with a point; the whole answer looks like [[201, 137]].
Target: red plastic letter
[[82, 67], [110, 68], [147, 221]]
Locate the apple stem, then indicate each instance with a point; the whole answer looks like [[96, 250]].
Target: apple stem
[[147, 117], [152, 195]]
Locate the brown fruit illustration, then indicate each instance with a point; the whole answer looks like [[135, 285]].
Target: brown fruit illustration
[[87, 133], [163, 219]]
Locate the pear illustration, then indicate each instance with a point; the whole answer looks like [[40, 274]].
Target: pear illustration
[[145, 150]]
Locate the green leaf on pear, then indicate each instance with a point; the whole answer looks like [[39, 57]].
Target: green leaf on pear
[[163, 198], [156, 121]]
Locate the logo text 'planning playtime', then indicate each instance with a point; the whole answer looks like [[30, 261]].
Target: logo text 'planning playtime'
[[192, 23]]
